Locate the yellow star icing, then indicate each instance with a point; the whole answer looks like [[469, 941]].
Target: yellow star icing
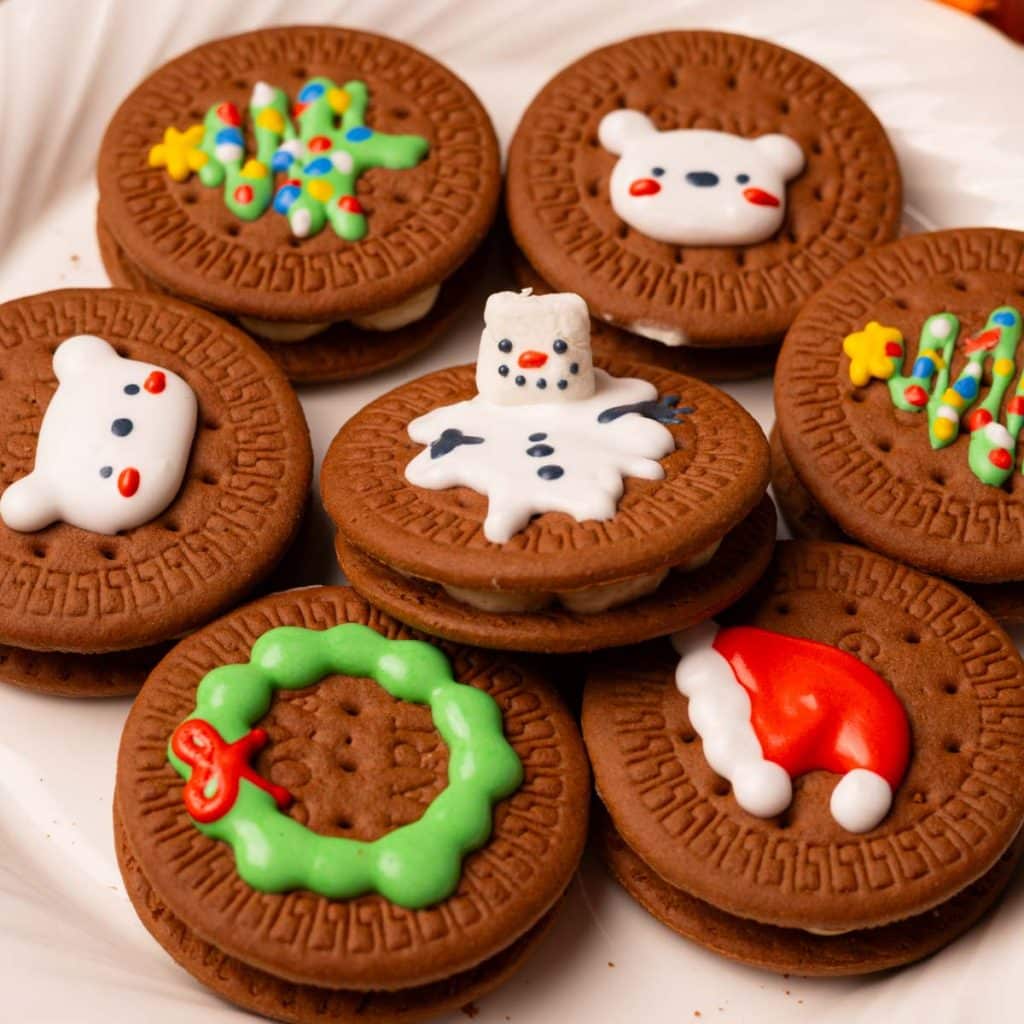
[[866, 350], [179, 152]]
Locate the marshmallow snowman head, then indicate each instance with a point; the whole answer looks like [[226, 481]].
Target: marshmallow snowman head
[[690, 187], [113, 445], [535, 349]]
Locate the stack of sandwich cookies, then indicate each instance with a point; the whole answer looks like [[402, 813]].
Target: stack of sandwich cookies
[[157, 467], [899, 407], [817, 784], [325, 188], [539, 503], [319, 816], [696, 188]]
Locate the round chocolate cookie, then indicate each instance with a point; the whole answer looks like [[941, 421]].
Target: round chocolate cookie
[[613, 344], [917, 464], [300, 175], [790, 950], [155, 487], [343, 351], [683, 600], [406, 856], [116, 674], [698, 187], [839, 756]]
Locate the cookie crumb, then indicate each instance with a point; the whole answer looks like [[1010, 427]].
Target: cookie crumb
[[610, 963], [471, 1010], [75, 258]]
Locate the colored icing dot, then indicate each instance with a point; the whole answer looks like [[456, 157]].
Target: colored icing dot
[[1002, 367], [318, 167], [539, 437], [320, 190], [358, 134], [229, 114], [923, 367], [916, 395], [106, 471], [550, 472], [243, 194], [998, 434], [1000, 458], [121, 427], [155, 382], [940, 328], [312, 91], [1015, 407], [893, 348], [350, 204], [339, 100], [128, 481], [574, 368], [286, 195], [503, 370], [966, 387], [298, 109], [131, 389], [944, 428], [343, 161], [271, 120], [1005, 318], [979, 418], [520, 380], [229, 136], [282, 160], [540, 451], [560, 346], [319, 144], [952, 398], [973, 370], [254, 169]]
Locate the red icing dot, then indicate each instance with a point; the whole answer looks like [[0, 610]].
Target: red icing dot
[[298, 108], [319, 144], [295, 182], [128, 481], [644, 187], [1000, 458], [916, 395], [1015, 406], [155, 382], [229, 114], [243, 194], [978, 419], [893, 348], [350, 204]]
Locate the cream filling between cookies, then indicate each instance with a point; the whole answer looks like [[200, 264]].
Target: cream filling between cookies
[[585, 601], [414, 308]]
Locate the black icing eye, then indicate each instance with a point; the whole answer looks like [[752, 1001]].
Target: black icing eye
[[106, 471], [121, 427], [503, 370], [742, 179], [520, 380], [657, 172], [504, 345], [560, 347], [574, 367], [131, 389]]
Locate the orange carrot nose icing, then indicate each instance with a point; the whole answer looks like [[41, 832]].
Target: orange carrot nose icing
[[644, 187], [128, 481], [759, 197], [532, 360], [155, 382]]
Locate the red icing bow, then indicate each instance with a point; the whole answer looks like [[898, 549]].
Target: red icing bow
[[218, 767]]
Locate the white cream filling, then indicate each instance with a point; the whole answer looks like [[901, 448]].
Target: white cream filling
[[584, 601], [673, 337], [414, 308]]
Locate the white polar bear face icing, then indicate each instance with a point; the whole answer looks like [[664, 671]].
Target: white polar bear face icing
[[113, 446], [535, 349], [690, 187], [529, 455]]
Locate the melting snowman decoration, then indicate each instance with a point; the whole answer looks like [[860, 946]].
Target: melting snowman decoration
[[547, 432], [113, 445], [690, 187]]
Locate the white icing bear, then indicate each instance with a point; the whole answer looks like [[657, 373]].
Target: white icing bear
[[691, 187], [113, 446], [533, 448]]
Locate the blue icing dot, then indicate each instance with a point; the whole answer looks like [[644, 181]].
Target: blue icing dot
[[550, 472], [966, 388], [131, 389], [311, 92], [358, 134], [282, 160], [121, 427], [540, 451], [106, 471], [922, 368], [286, 195], [538, 437], [1004, 317], [232, 134], [321, 165]]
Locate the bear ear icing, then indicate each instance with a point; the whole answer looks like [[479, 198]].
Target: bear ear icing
[[784, 152], [28, 505], [78, 353], [621, 127]]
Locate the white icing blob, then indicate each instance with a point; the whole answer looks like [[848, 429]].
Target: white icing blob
[[861, 799], [692, 187], [97, 439]]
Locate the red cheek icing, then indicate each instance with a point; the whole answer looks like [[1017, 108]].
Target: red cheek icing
[[532, 360], [155, 382], [816, 707], [350, 204], [128, 481], [759, 197], [644, 187]]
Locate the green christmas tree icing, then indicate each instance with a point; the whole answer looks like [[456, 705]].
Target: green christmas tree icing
[[320, 148], [878, 352]]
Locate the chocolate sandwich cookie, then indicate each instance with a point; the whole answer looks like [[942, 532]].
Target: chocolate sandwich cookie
[[156, 468], [321, 186], [540, 503], [899, 404], [820, 783], [320, 816], [697, 187]]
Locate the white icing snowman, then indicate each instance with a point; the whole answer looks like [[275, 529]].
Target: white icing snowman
[[547, 432], [692, 187], [113, 445]]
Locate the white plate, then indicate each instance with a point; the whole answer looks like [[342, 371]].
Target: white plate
[[948, 90]]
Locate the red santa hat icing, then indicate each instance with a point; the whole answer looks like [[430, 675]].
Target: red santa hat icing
[[769, 708]]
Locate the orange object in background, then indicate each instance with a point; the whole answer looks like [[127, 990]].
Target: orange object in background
[[1007, 15]]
